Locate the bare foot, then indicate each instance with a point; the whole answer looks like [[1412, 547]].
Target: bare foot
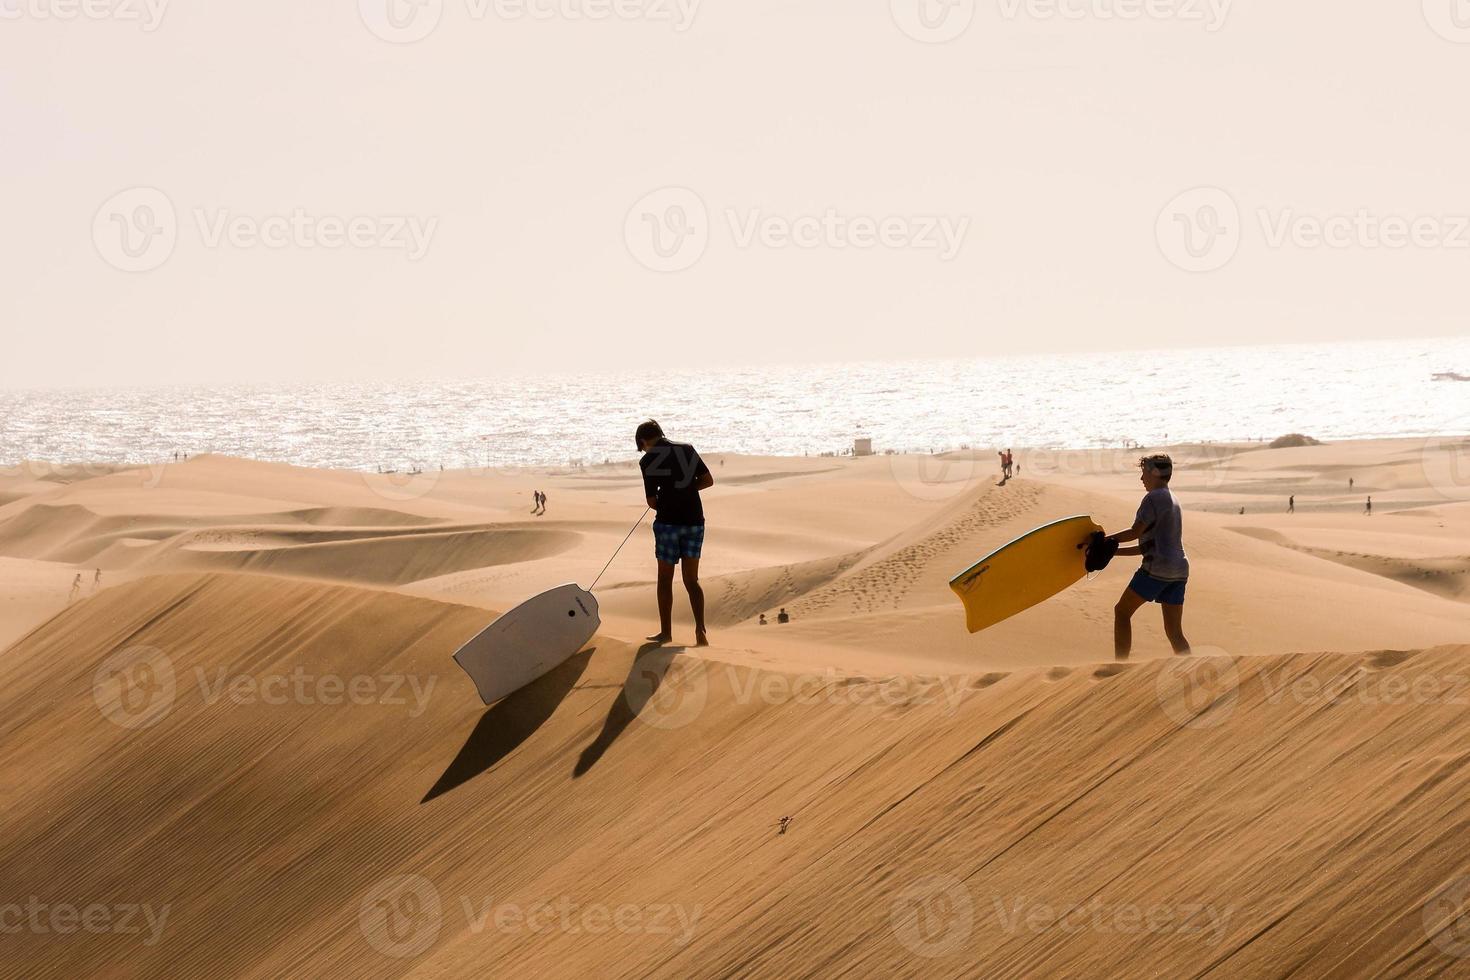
[[658, 638], [701, 638]]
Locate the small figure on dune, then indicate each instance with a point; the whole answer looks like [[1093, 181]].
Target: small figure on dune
[[76, 589], [1350, 484], [1369, 509], [762, 621], [783, 823], [97, 580], [1291, 504], [783, 616]]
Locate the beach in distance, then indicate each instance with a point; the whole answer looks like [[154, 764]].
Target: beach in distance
[[242, 729]]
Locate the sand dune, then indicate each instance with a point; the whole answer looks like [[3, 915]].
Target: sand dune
[[1257, 816], [253, 741]]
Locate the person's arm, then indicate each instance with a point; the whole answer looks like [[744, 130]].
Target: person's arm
[[1132, 534], [703, 478]]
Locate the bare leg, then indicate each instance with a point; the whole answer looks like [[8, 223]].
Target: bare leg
[[1174, 628], [696, 599], [665, 604], [1128, 604]]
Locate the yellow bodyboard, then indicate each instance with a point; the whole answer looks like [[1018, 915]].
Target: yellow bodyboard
[[1031, 569]]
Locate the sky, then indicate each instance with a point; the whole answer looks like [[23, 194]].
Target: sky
[[201, 193]]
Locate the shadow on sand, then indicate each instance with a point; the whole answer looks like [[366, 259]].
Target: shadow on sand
[[650, 665], [509, 722]]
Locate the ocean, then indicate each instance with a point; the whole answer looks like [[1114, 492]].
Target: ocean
[[1340, 391]]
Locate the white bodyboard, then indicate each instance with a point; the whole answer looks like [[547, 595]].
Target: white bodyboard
[[529, 641]]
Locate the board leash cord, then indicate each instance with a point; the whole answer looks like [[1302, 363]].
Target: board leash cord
[[619, 548]]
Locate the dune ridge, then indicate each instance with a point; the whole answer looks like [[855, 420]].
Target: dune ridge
[[250, 732]]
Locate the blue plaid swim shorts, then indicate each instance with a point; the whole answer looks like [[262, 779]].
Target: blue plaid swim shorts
[[671, 542]]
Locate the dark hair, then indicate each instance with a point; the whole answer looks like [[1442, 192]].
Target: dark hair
[[1160, 463], [648, 430]]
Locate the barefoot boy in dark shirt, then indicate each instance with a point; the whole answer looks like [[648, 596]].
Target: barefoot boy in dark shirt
[[673, 475]]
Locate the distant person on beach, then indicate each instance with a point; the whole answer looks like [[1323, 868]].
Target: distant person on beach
[[1350, 484], [543, 501], [1369, 509], [762, 619], [673, 476], [1164, 575], [783, 616], [76, 589], [1291, 504], [97, 580]]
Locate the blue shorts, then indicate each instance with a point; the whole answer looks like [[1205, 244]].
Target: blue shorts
[[1152, 589], [671, 542]]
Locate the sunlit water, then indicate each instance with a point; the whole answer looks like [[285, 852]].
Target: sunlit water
[[1084, 400]]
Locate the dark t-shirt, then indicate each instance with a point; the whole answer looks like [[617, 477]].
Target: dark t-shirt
[[670, 472]]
